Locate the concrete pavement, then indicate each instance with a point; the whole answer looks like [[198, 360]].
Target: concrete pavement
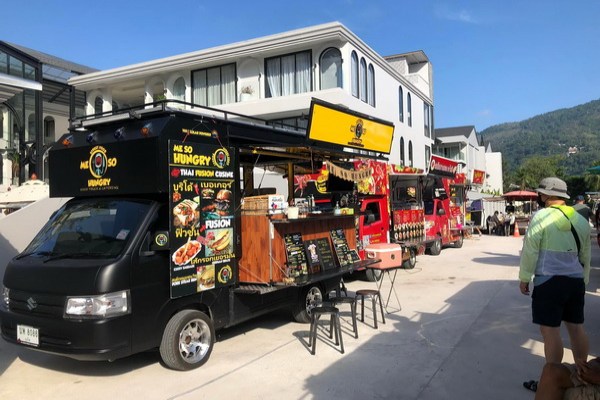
[[464, 332]]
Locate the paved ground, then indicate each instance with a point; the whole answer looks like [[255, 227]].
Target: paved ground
[[464, 332]]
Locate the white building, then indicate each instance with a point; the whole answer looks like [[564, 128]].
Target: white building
[[275, 77], [481, 166]]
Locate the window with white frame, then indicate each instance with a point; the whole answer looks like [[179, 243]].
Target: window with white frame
[[355, 79], [427, 154], [371, 86], [214, 86], [331, 69], [410, 154], [288, 74], [402, 159], [426, 119], [363, 80], [409, 109], [98, 105], [179, 89], [401, 104]]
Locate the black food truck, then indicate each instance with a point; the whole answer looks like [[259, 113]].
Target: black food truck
[[166, 239]]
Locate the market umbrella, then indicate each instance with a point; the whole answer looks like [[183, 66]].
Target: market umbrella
[[594, 170], [520, 195]]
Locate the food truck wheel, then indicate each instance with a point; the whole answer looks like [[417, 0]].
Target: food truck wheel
[[436, 247], [411, 261], [309, 298], [459, 242], [373, 275], [187, 340]]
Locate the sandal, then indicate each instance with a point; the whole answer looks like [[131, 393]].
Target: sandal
[[531, 385]]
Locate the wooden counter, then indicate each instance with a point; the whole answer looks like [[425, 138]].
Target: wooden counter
[[263, 252]]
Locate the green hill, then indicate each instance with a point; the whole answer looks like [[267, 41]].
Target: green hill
[[572, 133]]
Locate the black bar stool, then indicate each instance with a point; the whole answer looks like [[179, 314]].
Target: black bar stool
[[347, 300], [374, 295], [334, 326]]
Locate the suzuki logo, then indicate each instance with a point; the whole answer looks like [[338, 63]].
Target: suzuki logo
[[31, 304]]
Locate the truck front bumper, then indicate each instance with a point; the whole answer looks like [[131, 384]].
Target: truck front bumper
[[81, 339]]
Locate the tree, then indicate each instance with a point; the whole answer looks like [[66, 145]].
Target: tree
[[536, 168]]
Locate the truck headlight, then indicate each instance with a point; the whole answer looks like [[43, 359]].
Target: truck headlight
[[5, 297], [101, 306]]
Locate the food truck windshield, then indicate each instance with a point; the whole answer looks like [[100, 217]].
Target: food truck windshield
[[97, 228]]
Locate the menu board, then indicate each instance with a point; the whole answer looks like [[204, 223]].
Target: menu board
[[201, 203], [319, 255], [296, 257], [344, 254]]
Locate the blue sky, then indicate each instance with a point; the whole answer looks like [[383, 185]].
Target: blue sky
[[494, 61]]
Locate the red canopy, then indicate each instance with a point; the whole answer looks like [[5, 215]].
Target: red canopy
[[520, 195]]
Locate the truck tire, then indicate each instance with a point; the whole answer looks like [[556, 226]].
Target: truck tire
[[459, 243], [373, 275], [412, 260], [309, 298], [187, 341], [436, 247]]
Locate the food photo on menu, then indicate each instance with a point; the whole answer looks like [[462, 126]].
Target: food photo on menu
[[215, 206], [185, 253], [206, 277], [186, 213], [219, 241]]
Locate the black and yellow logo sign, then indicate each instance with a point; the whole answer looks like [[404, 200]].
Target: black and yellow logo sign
[[98, 164]]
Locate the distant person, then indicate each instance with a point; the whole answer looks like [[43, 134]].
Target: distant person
[[582, 208], [510, 208], [556, 254]]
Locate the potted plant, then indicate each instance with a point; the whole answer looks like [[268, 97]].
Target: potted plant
[[246, 93]]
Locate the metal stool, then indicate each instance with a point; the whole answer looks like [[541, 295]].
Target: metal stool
[[334, 326], [347, 300], [373, 294]]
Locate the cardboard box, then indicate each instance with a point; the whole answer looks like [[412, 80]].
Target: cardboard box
[[268, 203]]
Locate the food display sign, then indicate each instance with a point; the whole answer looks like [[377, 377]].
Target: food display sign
[[344, 254], [319, 255], [202, 204], [296, 257]]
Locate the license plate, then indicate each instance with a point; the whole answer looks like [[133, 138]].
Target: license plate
[[28, 335]]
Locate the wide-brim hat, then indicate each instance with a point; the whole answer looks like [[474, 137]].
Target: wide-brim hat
[[553, 187]]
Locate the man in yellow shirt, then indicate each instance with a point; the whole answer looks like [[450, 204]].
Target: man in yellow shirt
[[556, 254]]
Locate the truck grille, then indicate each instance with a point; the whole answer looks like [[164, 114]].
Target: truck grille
[[36, 304]]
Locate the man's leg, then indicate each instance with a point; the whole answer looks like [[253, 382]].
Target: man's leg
[[579, 342], [555, 380], [553, 345]]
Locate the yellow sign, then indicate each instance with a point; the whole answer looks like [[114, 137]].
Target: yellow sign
[[350, 130]]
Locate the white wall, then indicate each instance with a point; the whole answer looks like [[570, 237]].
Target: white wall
[[494, 169]]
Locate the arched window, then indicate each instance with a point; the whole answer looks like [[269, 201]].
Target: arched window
[[179, 89], [354, 63], [363, 80], [401, 103], [98, 105], [371, 86], [402, 159], [409, 109], [49, 130], [331, 69], [31, 127], [410, 154]]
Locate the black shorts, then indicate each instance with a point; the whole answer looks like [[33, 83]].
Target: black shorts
[[558, 299]]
